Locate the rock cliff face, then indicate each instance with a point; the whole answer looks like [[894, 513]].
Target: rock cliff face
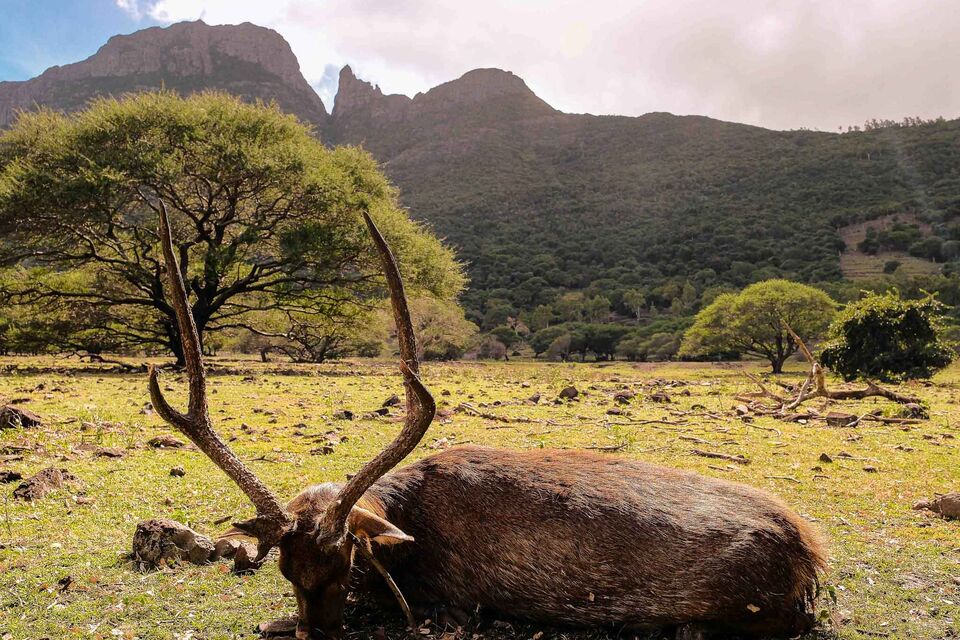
[[246, 60], [387, 123]]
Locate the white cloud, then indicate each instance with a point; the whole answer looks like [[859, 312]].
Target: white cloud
[[776, 63], [132, 7]]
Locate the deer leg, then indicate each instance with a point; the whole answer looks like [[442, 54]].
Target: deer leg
[[691, 631]]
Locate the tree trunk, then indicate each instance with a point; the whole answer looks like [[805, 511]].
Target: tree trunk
[[777, 364]]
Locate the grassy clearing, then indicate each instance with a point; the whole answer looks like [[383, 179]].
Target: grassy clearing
[[896, 572]]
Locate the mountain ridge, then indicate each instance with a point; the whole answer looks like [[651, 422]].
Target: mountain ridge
[[539, 202]]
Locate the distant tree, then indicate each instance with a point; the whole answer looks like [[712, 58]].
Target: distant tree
[[570, 306], [542, 339], [491, 349], [443, 332], [886, 338], [497, 313], [633, 348], [891, 266], [559, 349], [597, 309], [636, 301], [751, 322], [507, 335], [541, 317], [264, 217], [662, 346]]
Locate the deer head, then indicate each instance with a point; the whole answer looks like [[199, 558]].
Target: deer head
[[318, 532]]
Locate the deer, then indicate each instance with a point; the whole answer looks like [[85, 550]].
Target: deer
[[561, 537]]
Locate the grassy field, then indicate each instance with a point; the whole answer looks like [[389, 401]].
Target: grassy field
[[63, 566]]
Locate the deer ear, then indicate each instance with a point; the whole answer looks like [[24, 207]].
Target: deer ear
[[368, 525], [242, 528]]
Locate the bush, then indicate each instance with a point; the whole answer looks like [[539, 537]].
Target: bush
[[887, 338]]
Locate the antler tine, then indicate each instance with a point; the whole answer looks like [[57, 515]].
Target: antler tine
[[272, 518], [420, 404]]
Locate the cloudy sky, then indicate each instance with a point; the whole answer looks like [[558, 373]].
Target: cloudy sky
[[781, 64]]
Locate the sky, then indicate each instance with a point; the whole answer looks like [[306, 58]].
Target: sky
[[781, 64]]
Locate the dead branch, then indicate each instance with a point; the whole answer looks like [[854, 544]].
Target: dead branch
[[720, 456], [473, 411], [767, 403]]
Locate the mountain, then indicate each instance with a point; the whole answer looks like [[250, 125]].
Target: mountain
[[539, 202], [245, 60]]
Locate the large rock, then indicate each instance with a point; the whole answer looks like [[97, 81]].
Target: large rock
[[12, 417], [45, 482], [947, 505], [161, 540]]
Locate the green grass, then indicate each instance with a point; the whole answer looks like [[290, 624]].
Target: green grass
[[895, 571]]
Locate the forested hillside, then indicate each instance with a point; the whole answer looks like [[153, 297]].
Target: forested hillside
[[541, 204]]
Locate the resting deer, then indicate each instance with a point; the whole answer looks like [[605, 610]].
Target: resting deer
[[561, 537]]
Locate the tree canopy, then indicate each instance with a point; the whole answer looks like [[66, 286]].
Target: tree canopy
[[886, 338], [266, 220], [751, 322]]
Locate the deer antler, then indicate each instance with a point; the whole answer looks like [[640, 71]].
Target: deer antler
[[272, 521], [420, 404]]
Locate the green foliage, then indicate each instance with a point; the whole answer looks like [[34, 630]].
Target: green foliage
[[611, 205], [443, 333], [885, 337], [264, 217], [751, 322]]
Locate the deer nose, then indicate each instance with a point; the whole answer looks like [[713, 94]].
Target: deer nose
[[306, 633]]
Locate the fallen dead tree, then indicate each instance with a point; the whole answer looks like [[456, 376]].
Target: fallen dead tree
[[787, 407]]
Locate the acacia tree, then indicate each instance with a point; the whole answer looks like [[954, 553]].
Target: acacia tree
[[264, 217], [752, 321]]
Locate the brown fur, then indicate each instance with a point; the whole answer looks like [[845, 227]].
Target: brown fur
[[572, 538]]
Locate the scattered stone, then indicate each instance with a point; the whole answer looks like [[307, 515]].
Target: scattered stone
[[947, 505], [840, 419], [323, 450], [445, 392], [225, 548], [535, 398], [624, 396], [569, 393], [343, 414], [244, 558], [7, 476], [392, 401], [178, 472], [18, 418], [109, 452], [166, 442], [913, 410], [614, 411], [870, 469], [161, 540], [825, 458], [45, 482], [661, 397]]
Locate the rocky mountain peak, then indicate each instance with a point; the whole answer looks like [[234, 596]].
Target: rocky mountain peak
[[245, 59]]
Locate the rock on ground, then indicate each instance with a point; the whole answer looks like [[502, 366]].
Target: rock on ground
[[12, 417], [947, 505], [47, 481], [162, 540]]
